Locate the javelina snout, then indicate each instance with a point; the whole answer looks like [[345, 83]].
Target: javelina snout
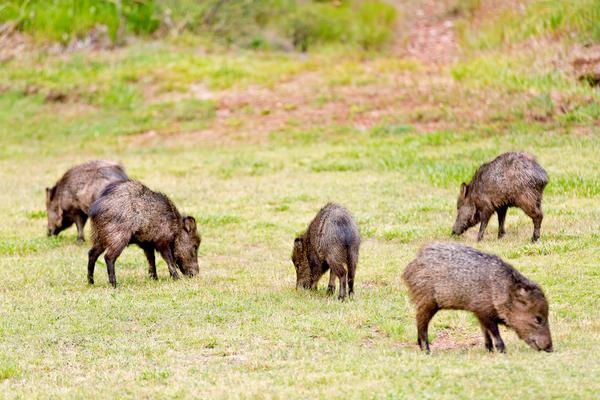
[[330, 242], [186, 247], [529, 316], [457, 277]]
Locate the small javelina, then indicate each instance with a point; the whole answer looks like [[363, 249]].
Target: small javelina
[[453, 276], [510, 180], [69, 200], [129, 212], [331, 240]]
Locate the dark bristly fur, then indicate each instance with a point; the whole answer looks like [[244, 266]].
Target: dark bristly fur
[[331, 240], [129, 212], [453, 276], [69, 200], [510, 180]]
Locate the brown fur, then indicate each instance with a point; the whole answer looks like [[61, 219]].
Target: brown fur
[[510, 180], [453, 276], [130, 213], [331, 241], [69, 200]]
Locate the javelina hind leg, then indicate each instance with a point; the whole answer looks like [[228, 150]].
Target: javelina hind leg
[[534, 211], [424, 315], [149, 252], [167, 255], [537, 216], [484, 216], [110, 257], [331, 286], [352, 261], [339, 270], [80, 219], [501, 217], [93, 255]]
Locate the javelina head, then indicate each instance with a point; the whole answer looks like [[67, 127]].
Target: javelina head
[[528, 316], [57, 222], [300, 260], [186, 247], [467, 212]]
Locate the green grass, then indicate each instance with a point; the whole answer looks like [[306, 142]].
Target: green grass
[[191, 125]]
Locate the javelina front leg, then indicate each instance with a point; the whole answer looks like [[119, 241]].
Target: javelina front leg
[[93, 255], [493, 328], [331, 286], [149, 252], [167, 255], [485, 329], [80, 223], [485, 218], [424, 315], [501, 218]]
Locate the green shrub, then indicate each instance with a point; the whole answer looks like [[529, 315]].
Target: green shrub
[[259, 24], [63, 20]]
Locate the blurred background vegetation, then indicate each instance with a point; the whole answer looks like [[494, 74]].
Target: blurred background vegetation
[[264, 24]]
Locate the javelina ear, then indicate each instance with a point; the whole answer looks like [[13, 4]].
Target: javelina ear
[[189, 224], [464, 189], [522, 293], [50, 192]]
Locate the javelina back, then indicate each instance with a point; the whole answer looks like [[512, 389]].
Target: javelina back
[[331, 240], [129, 212], [453, 276], [69, 200], [510, 180]]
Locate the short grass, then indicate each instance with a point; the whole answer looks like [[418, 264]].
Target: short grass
[[240, 329]]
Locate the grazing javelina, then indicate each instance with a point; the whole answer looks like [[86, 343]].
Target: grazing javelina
[[510, 180], [331, 240], [128, 212], [453, 276], [69, 200]]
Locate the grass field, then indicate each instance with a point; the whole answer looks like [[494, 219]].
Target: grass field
[[253, 144]]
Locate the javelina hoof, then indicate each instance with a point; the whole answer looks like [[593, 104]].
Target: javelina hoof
[[90, 281], [330, 290], [80, 240]]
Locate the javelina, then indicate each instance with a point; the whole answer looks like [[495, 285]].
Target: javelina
[[129, 212], [453, 276], [510, 180], [69, 200], [331, 240]]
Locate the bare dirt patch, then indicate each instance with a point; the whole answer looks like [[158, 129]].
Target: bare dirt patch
[[447, 340]]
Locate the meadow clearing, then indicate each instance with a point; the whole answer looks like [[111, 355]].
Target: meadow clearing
[[252, 144]]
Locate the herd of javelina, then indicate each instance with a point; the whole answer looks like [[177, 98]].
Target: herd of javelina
[[444, 275]]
